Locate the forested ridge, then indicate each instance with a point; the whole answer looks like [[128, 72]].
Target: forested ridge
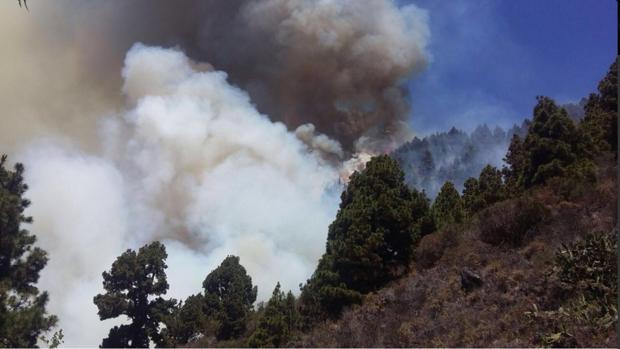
[[532, 242]]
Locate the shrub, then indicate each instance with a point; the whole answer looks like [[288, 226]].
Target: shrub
[[589, 267], [508, 222], [432, 246], [586, 272]]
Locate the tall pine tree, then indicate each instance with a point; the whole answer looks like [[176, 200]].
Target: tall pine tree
[[550, 145], [277, 322], [133, 288], [229, 295], [369, 242], [22, 307], [601, 120], [448, 206]]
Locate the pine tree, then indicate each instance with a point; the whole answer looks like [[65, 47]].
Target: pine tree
[[188, 320], [448, 206], [480, 193], [513, 173], [491, 186], [550, 145], [230, 295], [325, 294], [421, 215], [133, 287], [22, 307], [279, 319], [472, 201], [373, 231], [369, 242], [600, 123]]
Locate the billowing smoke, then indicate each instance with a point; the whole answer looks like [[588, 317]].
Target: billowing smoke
[[339, 65], [336, 64], [191, 163], [232, 141]]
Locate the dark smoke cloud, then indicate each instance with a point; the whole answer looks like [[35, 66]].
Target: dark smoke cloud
[[339, 65]]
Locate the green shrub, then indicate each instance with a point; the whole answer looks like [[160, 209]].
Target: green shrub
[[589, 267], [586, 273]]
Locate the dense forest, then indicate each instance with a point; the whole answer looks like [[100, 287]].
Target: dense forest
[[456, 155], [453, 156], [533, 242]]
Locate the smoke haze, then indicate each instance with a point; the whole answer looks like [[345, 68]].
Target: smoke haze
[[230, 141]]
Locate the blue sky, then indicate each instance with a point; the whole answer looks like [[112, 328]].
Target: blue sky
[[491, 58]]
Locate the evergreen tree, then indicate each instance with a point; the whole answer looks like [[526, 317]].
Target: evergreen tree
[[369, 242], [601, 121], [229, 294], [22, 307], [484, 191], [325, 293], [448, 206], [491, 186], [515, 158], [279, 319], [133, 287], [427, 164], [373, 231], [472, 202], [421, 215], [550, 145], [188, 320]]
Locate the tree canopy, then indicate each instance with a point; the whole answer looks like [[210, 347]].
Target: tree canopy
[[229, 294], [601, 119], [133, 288], [371, 239], [188, 321], [480, 193], [277, 322], [448, 206], [23, 316]]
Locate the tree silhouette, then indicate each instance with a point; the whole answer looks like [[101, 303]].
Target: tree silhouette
[[229, 295], [131, 284]]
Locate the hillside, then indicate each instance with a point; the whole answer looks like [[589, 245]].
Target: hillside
[[524, 256], [518, 301]]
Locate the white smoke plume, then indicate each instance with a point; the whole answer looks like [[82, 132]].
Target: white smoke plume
[[198, 168]]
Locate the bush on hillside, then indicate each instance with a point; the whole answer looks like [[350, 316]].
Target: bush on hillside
[[509, 222]]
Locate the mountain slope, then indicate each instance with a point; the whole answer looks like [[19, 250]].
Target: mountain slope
[[520, 301]]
